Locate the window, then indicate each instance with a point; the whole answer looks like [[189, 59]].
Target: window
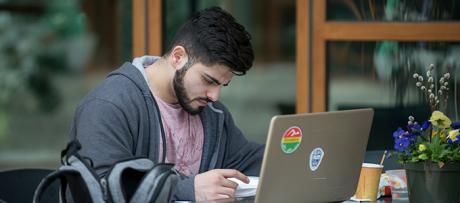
[[363, 54]]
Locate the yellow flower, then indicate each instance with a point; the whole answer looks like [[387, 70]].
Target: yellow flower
[[421, 147], [443, 136], [440, 120], [453, 135]]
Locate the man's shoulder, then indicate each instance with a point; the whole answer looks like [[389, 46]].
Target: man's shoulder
[[117, 88]]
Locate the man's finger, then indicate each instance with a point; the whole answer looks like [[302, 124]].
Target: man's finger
[[229, 183], [231, 173]]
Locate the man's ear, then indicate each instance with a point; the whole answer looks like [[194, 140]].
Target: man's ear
[[178, 57]]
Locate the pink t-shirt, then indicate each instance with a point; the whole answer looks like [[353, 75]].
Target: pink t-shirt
[[184, 137]]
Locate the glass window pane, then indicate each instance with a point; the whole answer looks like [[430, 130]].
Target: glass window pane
[[379, 75], [51, 54], [268, 88], [392, 10], [175, 14]]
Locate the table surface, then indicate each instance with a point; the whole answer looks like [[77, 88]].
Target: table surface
[[251, 200]]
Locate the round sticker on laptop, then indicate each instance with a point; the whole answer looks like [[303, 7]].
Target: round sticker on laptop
[[291, 139], [315, 158]]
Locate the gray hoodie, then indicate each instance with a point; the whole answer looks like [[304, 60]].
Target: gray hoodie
[[119, 120]]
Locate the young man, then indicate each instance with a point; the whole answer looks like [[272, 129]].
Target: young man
[[166, 108]]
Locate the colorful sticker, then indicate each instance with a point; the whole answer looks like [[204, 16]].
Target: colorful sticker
[[291, 139], [315, 158]]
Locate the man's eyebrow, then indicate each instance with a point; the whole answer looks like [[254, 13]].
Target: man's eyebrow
[[215, 80]]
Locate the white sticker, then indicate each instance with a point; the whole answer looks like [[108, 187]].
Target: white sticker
[[315, 158]]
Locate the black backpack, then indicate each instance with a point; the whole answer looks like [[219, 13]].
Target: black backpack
[[136, 180]]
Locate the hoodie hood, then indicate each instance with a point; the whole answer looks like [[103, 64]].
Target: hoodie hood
[[135, 72], [141, 62]]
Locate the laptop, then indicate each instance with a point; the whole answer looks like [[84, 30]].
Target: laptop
[[314, 157]]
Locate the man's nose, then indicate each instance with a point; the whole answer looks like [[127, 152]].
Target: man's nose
[[213, 93]]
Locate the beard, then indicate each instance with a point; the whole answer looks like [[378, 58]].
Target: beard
[[181, 93]]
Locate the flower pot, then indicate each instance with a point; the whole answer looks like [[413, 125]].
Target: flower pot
[[428, 183]]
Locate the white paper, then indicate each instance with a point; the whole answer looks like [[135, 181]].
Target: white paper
[[246, 190], [359, 200]]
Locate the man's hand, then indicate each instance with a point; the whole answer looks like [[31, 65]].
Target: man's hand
[[214, 184]]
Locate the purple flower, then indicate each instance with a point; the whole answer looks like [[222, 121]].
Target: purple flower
[[412, 136], [398, 133], [453, 142], [455, 125], [401, 144], [416, 127], [413, 126], [426, 125]]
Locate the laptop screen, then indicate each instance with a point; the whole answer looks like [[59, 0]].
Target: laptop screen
[[314, 157]]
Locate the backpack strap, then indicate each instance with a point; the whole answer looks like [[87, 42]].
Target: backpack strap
[[72, 148], [79, 177], [46, 182], [128, 174], [89, 178], [69, 174], [161, 178]]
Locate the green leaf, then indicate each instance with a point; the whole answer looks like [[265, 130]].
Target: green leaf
[[423, 157]]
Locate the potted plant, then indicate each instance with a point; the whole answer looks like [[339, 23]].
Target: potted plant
[[430, 151]]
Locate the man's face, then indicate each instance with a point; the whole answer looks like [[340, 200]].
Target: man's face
[[196, 85]]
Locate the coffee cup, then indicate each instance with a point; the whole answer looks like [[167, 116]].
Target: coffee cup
[[369, 179]]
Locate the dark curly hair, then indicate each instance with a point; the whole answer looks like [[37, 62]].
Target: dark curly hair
[[212, 36]]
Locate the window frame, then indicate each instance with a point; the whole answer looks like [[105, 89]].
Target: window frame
[[314, 31], [147, 27]]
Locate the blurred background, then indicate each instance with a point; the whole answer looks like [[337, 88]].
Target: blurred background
[[52, 52]]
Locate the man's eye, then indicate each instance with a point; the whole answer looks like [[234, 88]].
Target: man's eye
[[208, 81]]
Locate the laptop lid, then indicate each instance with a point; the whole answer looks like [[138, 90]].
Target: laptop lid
[[314, 157]]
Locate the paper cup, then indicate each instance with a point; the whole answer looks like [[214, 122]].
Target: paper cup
[[368, 183]]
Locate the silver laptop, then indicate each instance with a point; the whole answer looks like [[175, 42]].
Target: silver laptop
[[314, 157]]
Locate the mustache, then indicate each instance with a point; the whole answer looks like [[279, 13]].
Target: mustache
[[203, 99]]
